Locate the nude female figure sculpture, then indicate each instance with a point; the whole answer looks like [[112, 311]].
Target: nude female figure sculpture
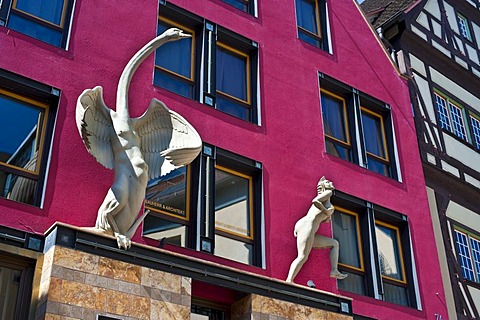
[[320, 211]]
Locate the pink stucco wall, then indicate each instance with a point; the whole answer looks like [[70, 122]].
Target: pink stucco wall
[[289, 143]]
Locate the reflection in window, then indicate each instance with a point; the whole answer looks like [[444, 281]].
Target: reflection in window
[[347, 231], [233, 215], [335, 125], [375, 144], [244, 5], [166, 198], [45, 20], [233, 81], [22, 134], [391, 263], [174, 61]]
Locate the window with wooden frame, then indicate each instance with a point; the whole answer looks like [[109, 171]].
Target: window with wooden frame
[[374, 251], [391, 262], [16, 277], [375, 142], [45, 20], [213, 205], [247, 6], [311, 22], [216, 66], [168, 199], [464, 27], [357, 127], [335, 125], [27, 118], [233, 210], [468, 253], [175, 61]]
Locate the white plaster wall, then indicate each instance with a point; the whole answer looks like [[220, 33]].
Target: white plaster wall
[[463, 215], [475, 296], [437, 28], [442, 256], [476, 32], [427, 97], [419, 33], [454, 88], [422, 20], [432, 7], [451, 16], [418, 65], [441, 48], [472, 54], [462, 153]]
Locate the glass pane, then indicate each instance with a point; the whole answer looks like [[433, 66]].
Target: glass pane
[[353, 283], [307, 15], [346, 232], [9, 284], [49, 10], [378, 166], [239, 4], [338, 150], [17, 188], [457, 121], [233, 249], [373, 132], [309, 38], [20, 133], [233, 108], [441, 105], [476, 131], [389, 252], [334, 117], [175, 56], [168, 193], [464, 256], [158, 229], [232, 203], [35, 30], [173, 84], [231, 77], [395, 294], [475, 245]]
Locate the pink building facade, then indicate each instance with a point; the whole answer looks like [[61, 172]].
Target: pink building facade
[[314, 95]]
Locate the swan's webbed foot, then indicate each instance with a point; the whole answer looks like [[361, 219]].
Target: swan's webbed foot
[[123, 242]]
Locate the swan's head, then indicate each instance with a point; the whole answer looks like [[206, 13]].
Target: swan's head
[[173, 34]]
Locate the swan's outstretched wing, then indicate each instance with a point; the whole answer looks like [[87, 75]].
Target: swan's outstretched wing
[[95, 125], [167, 140]]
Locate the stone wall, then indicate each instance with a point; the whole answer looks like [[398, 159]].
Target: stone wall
[[78, 285]]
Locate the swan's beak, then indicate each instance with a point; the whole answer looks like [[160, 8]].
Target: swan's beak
[[184, 35]]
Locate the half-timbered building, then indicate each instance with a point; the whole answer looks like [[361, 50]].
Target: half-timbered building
[[436, 44]]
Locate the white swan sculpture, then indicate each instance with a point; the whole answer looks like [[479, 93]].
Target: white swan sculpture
[[136, 149]]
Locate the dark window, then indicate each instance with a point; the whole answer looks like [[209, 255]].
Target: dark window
[[27, 117], [244, 5], [225, 188], [225, 79], [378, 262], [45, 20], [311, 22], [357, 127], [16, 276]]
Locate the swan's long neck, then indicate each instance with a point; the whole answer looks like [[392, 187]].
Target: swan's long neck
[[130, 68]]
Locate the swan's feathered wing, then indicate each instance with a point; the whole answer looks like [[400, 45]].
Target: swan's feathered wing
[[167, 140], [95, 125]]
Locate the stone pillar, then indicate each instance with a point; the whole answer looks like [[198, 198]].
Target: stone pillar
[[79, 285]]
